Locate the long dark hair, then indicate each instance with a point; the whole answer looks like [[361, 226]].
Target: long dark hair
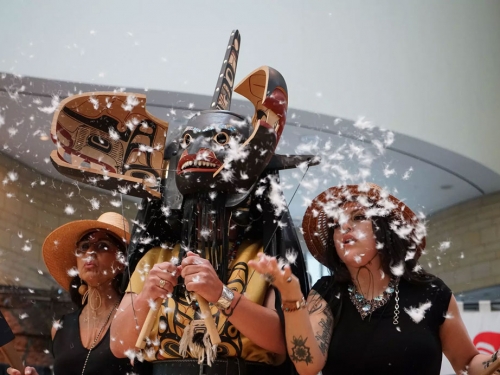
[[392, 253]]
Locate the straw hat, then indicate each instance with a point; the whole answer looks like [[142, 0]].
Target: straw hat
[[58, 249], [318, 213]]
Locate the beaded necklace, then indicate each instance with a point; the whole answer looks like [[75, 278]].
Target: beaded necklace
[[366, 307]]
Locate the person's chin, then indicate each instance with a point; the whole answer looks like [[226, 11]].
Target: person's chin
[[90, 275], [356, 259], [354, 264]]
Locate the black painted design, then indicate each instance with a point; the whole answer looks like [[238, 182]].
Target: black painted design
[[102, 143], [99, 143], [182, 314], [221, 99], [102, 123]]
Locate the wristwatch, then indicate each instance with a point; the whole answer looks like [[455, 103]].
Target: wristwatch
[[225, 299]]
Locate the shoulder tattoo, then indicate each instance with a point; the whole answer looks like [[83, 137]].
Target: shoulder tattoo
[[316, 302]]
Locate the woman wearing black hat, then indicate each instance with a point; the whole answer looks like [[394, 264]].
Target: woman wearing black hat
[[379, 312]]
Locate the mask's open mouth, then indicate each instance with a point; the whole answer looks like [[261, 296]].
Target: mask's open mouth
[[202, 161]]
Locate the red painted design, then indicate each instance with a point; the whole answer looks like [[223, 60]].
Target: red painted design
[[69, 150], [203, 154], [487, 342], [278, 103]]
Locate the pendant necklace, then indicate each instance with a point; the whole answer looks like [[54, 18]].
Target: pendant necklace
[[99, 335]]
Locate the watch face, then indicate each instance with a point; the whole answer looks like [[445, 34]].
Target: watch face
[[226, 298]]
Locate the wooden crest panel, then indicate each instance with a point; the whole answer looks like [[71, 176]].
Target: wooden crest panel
[[113, 139]]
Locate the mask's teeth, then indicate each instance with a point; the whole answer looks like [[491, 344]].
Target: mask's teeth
[[198, 163]]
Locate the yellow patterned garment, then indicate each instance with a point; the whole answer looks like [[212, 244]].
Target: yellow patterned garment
[[175, 314]]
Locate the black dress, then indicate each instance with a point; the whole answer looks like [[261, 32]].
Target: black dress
[[70, 354], [375, 345]]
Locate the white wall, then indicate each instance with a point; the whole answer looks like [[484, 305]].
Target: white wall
[[425, 68], [484, 329]]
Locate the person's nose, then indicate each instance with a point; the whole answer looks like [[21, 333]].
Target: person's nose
[[90, 252], [346, 227]]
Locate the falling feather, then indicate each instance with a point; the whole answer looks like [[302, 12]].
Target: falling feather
[[418, 313], [445, 245], [291, 256], [398, 269]]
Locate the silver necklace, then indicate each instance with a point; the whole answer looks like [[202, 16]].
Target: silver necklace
[[366, 307], [395, 320], [98, 335]]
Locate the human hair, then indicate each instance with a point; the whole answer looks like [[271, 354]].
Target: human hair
[[392, 253]]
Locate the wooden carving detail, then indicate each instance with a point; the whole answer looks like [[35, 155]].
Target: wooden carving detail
[[266, 88], [111, 137], [221, 99]]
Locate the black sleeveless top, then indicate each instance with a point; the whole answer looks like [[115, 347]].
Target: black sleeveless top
[[6, 334], [375, 345], [70, 354]]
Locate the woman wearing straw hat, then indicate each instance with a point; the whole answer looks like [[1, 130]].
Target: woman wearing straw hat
[[87, 258], [379, 312]]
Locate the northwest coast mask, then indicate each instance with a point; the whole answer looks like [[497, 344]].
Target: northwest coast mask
[[225, 152]]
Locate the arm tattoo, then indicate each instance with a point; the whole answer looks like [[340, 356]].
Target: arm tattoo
[[301, 352], [316, 302], [323, 337]]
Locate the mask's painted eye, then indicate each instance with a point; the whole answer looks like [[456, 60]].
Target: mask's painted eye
[[187, 139], [221, 138]]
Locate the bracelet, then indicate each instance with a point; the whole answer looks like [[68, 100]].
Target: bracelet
[[226, 298], [290, 306], [228, 315]]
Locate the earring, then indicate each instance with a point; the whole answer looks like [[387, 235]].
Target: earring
[[83, 290]]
